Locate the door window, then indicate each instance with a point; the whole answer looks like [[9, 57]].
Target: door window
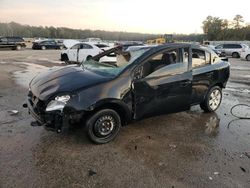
[[200, 58], [77, 46], [168, 63], [3, 40], [219, 46]]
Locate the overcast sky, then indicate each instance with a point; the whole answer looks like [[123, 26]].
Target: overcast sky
[[144, 16]]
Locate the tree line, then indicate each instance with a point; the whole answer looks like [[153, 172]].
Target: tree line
[[216, 28], [16, 29]]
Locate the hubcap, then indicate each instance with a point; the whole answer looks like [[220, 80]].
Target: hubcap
[[248, 58], [215, 99], [105, 125]]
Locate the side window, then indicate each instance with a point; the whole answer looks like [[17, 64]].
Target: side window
[[219, 46], [167, 63], [52, 42], [4, 39], [227, 46], [86, 46], [75, 46], [45, 43], [238, 46], [200, 58]]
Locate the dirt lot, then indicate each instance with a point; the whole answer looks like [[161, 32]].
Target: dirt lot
[[187, 149]]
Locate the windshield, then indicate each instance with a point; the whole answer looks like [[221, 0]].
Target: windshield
[[112, 62]]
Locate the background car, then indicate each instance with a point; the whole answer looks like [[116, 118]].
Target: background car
[[102, 46], [14, 43], [218, 52], [47, 44], [80, 52], [233, 50], [245, 54]]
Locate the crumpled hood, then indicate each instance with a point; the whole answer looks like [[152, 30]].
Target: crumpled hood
[[63, 80]]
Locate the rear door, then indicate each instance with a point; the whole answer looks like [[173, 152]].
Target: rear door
[[164, 87], [85, 51], [72, 52], [203, 74]]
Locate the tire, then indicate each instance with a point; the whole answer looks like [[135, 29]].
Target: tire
[[89, 57], [235, 55], [18, 47], [43, 47], [103, 126], [212, 100], [65, 58], [248, 57]]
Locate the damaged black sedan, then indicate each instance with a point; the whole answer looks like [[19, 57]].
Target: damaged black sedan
[[122, 85]]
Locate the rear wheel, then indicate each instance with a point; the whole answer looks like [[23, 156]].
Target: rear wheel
[[103, 126], [65, 58], [212, 100], [235, 55], [248, 57], [43, 47]]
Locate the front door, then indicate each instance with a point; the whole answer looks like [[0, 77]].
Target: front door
[[166, 85]]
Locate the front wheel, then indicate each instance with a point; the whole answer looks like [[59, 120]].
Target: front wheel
[[212, 100], [235, 55], [103, 126]]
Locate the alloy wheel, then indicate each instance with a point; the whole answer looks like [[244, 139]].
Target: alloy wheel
[[215, 99]]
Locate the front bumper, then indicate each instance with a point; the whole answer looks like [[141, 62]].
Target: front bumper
[[51, 121], [55, 120]]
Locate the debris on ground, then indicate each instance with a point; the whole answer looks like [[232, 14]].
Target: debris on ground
[[13, 112], [92, 173], [243, 169], [210, 178], [172, 146], [216, 173], [247, 155]]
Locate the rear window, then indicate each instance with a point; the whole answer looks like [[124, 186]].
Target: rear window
[[232, 46]]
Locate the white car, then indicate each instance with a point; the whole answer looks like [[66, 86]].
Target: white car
[[245, 54], [79, 52], [232, 49]]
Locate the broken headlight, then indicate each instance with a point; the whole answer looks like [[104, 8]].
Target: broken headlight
[[58, 103]]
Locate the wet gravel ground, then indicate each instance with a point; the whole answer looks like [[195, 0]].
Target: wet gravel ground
[[187, 149]]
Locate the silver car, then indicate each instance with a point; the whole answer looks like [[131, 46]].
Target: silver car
[[233, 50]]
